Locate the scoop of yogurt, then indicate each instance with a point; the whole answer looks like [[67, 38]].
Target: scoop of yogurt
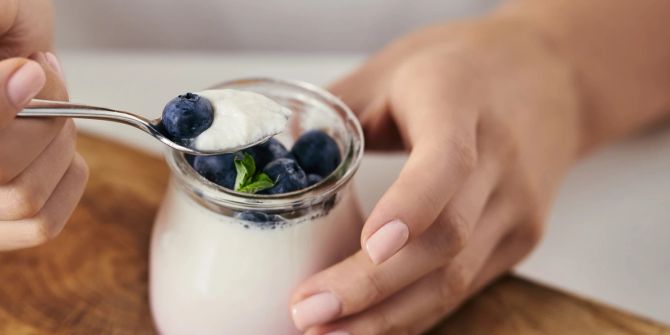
[[238, 118]]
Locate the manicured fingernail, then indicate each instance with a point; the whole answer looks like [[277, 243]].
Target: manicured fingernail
[[386, 241], [54, 63], [339, 332], [315, 310], [25, 83]]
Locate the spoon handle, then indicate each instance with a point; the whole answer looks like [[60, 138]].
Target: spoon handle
[[48, 108]]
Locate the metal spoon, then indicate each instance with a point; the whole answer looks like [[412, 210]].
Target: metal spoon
[[48, 108]]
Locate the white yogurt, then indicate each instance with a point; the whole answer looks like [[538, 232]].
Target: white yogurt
[[240, 118], [211, 275]]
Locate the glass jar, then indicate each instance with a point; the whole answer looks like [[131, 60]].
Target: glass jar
[[224, 262]]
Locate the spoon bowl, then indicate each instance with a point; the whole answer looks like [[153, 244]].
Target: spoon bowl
[[49, 108]]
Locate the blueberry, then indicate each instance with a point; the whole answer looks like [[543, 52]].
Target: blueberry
[[313, 179], [219, 169], [266, 152], [259, 217], [287, 175], [317, 153], [190, 158], [187, 116]]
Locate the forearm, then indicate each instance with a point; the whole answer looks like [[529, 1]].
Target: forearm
[[620, 50]]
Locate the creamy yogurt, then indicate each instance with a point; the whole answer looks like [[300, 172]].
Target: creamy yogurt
[[240, 118], [212, 274]]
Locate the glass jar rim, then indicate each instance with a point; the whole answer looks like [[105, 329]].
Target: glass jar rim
[[213, 194]]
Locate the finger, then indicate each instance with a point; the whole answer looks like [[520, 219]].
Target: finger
[[356, 284], [425, 184], [442, 133], [417, 308], [513, 248], [24, 139], [22, 142], [54, 87], [379, 126], [26, 194], [361, 86], [20, 81], [8, 12], [358, 88], [53, 216]]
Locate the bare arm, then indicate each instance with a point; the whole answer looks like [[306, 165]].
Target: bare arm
[[621, 53]]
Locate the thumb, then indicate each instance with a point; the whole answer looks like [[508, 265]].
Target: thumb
[[54, 88], [20, 80]]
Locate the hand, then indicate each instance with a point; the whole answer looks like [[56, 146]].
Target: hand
[[41, 176], [490, 114]]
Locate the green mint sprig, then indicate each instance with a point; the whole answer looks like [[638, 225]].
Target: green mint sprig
[[247, 180]]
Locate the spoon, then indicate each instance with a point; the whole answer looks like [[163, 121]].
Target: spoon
[[48, 108]]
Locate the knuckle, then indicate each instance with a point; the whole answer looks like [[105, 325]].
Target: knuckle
[[380, 324], [456, 232], [373, 289], [80, 169], [69, 131], [460, 231], [454, 282], [464, 153], [45, 229], [497, 139], [5, 176], [22, 203], [533, 232]]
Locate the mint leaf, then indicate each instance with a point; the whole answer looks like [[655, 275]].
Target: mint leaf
[[247, 181], [260, 182], [246, 168]]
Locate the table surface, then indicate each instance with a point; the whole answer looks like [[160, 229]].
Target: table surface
[[92, 279], [607, 237]]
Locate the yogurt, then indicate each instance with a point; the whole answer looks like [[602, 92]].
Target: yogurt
[[240, 118], [212, 272], [212, 275]]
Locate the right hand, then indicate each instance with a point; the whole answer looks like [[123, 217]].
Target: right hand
[[42, 178]]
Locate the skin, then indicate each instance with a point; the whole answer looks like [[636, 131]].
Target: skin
[[41, 176], [493, 112]]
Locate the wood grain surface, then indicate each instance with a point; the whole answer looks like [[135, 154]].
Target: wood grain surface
[[92, 279]]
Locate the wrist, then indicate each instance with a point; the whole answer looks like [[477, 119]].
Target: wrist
[[619, 55]]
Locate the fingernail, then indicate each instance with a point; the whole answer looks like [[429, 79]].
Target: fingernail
[[386, 241], [54, 63], [315, 310], [339, 332], [25, 83]]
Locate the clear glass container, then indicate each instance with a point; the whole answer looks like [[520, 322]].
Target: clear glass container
[[212, 272]]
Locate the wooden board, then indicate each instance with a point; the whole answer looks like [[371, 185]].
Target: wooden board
[[92, 279]]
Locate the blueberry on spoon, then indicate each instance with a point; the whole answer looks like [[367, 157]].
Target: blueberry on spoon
[[187, 116]]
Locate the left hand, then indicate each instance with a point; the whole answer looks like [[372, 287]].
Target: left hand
[[490, 113]]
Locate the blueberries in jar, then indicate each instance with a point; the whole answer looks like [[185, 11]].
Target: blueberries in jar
[[313, 179], [187, 116], [266, 152], [287, 175], [260, 219], [317, 153], [219, 169]]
